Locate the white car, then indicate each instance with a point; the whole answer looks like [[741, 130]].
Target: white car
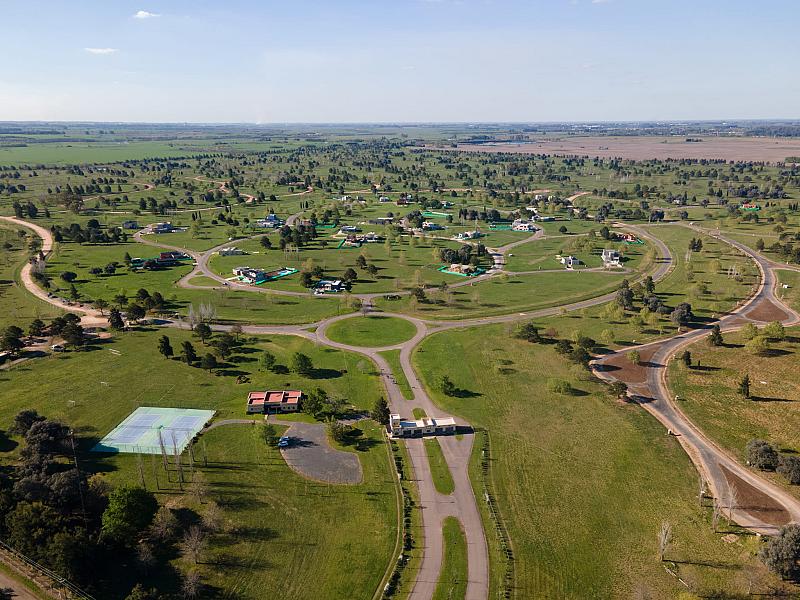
[[57, 348]]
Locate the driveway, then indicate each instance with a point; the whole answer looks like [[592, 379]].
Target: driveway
[[312, 456]]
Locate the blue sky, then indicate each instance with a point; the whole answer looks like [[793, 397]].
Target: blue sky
[[398, 60]]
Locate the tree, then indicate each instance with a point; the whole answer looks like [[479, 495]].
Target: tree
[[562, 229], [192, 584], [759, 345], [380, 412], [447, 387], [24, 420], [761, 455], [744, 386], [69, 276], [100, 305], [270, 435], [266, 361], [130, 510], [619, 389], [188, 351], [749, 331], [760, 244], [625, 295], [36, 328], [164, 347], [203, 331], [530, 333], [73, 334], [306, 279], [266, 243], [140, 593], [135, 311], [715, 338], [682, 314], [115, 319], [634, 357], [338, 430], [301, 364], [774, 331], [664, 539], [350, 274], [193, 544], [789, 467], [559, 386], [11, 341], [686, 358], [208, 362], [782, 553], [580, 356]]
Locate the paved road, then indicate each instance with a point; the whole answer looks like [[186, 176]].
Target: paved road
[[722, 471]]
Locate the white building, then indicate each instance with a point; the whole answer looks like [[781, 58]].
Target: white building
[[230, 251], [570, 261], [420, 427], [523, 225], [611, 258]]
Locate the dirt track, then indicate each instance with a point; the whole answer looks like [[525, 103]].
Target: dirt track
[[641, 147]]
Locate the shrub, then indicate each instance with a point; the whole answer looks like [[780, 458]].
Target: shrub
[[781, 553], [559, 386], [761, 455], [789, 467]]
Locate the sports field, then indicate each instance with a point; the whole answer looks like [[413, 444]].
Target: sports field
[[153, 430]]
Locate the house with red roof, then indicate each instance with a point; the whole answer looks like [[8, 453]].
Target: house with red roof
[[274, 401]]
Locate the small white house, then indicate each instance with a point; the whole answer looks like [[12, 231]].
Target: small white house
[[611, 258], [420, 427], [570, 261], [230, 251], [523, 225]]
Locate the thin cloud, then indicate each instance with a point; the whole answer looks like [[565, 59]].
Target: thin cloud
[[601, 1], [101, 50], [145, 14]]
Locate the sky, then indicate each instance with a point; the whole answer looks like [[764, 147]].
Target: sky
[[317, 61]]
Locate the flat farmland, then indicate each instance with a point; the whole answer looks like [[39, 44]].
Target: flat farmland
[[652, 147]]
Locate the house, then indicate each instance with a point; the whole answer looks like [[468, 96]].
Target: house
[[162, 227], [372, 238], [130, 225], [570, 261], [625, 237], [420, 427], [348, 229], [353, 241], [171, 258], [611, 258], [250, 275], [523, 225], [468, 235], [329, 286], [381, 221], [463, 269], [271, 221], [274, 401], [230, 251], [428, 226], [401, 201], [447, 204]]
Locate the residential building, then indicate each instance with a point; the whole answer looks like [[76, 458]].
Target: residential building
[[611, 258], [328, 286], [570, 261], [230, 251], [130, 225], [523, 225], [166, 227], [420, 427], [274, 401]]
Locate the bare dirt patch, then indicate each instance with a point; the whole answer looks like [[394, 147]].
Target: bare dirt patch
[[756, 502], [767, 311], [621, 368], [652, 147]]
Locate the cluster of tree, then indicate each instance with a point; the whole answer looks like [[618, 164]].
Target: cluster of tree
[[764, 456], [695, 245], [465, 255], [577, 350], [92, 233]]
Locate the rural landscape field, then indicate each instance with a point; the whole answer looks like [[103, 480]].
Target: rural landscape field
[[388, 302]]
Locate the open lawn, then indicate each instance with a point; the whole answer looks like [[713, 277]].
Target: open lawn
[[453, 577], [582, 481], [371, 331], [709, 393]]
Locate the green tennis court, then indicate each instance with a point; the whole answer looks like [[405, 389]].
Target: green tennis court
[[145, 429]]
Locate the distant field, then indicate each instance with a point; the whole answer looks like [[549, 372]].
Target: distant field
[[644, 147], [79, 153]]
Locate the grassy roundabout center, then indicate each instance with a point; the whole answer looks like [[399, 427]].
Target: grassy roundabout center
[[373, 331]]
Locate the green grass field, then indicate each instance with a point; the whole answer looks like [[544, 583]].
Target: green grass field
[[393, 358], [282, 527], [570, 473], [442, 479], [708, 394], [371, 331], [454, 576]]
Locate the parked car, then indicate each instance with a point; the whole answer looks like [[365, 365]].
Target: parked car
[[58, 348], [284, 441]]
